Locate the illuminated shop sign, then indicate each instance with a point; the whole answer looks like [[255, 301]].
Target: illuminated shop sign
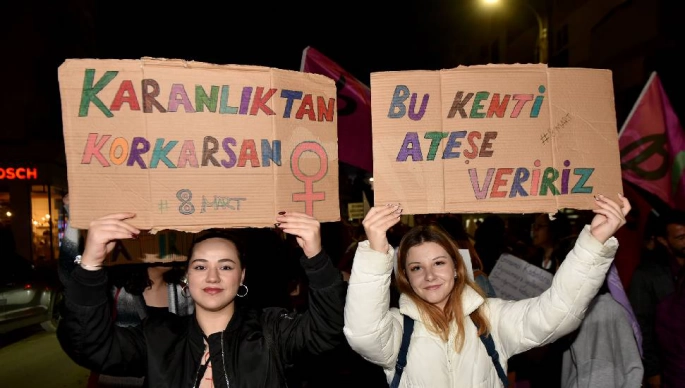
[[21, 173]]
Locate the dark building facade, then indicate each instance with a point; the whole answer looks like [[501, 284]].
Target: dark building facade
[[631, 38], [37, 38]]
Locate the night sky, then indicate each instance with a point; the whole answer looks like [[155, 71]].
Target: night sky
[[361, 36]]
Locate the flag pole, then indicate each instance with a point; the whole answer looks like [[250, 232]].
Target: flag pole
[[637, 102], [304, 58]]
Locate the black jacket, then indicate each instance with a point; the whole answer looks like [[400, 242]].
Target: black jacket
[[251, 352]]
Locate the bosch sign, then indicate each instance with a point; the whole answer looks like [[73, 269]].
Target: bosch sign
[[21, 173]]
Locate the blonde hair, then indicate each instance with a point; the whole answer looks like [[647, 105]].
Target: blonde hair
[[438, 320]]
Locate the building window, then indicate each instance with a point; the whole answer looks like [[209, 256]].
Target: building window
[[47, 218]]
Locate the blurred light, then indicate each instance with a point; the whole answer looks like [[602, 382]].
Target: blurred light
[[371, 179], [27, 286], [47, 216], [9, 214], [35, 222], [490, 2]]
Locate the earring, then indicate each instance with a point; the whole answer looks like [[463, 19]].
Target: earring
[[243, 295], [455, 274], [185, 291]]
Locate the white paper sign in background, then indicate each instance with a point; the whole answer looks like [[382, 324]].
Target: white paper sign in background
[[515, 279]]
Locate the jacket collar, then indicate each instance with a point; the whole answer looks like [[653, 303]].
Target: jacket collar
[[197, 336], [470, 300]]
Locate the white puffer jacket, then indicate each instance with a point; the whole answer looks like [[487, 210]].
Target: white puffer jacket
[[375, 331]]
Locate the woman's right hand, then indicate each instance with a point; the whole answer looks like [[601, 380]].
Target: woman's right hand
[[102, 236], [376, 224]]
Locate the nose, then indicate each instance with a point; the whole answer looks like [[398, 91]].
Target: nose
[[213, 275], [429, 274]]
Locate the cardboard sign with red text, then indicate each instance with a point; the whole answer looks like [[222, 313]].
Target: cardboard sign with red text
[[494, 138], [189, 146]]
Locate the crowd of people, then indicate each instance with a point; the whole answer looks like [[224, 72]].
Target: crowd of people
[[309, 304]]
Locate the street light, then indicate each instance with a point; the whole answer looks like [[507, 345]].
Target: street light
[[541, 45]]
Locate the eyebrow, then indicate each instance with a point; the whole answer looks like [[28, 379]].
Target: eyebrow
[[206, 261], [435, 258]]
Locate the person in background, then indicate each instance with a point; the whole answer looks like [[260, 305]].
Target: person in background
[[490, 241], [449, 312], [604, 351], [670, 335], [455, 227], [653, 281], [550, 236], [220, 344], [137, 290], [551, 241]]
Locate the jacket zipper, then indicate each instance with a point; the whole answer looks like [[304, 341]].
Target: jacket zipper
[[223, 360], [197, 374]]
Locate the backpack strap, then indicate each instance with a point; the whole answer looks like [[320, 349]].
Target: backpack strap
[[402, 356], [486, 339]]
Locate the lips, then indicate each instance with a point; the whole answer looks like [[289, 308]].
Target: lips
[[211, 290], [433, 288]]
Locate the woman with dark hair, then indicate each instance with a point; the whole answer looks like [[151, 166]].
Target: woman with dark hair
[[551, 239], [220, 344], [670, 333], [139, 290], [444, 313]]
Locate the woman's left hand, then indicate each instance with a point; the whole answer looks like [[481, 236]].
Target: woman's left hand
[[609, 217], [305, 228]]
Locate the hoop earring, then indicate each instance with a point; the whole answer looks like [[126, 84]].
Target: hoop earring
[[185, 291], [243, 295]]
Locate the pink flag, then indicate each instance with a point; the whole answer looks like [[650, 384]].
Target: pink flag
[[652, 144], [354, 109]]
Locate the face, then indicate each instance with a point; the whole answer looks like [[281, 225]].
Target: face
[[540, 232], [675, 240], [430, 271], [214, 274]]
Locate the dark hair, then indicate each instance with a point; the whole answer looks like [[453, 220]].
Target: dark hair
[[222, 234], [452, 225], [673, 217], [134, 278], [559, 227]]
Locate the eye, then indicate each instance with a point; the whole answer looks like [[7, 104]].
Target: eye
[[414, 268], [199, 267], [226, 268], [439, 262]]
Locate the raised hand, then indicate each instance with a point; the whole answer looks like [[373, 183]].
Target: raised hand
[[102, 236], [305, 228], [609, 217], [376, 224]]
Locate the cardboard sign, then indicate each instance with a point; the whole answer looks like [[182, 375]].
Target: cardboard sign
[[189, 146], [494, 138], [515, 279]]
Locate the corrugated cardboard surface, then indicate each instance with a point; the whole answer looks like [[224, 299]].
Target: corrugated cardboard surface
[[571, 137], [222, 196]]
